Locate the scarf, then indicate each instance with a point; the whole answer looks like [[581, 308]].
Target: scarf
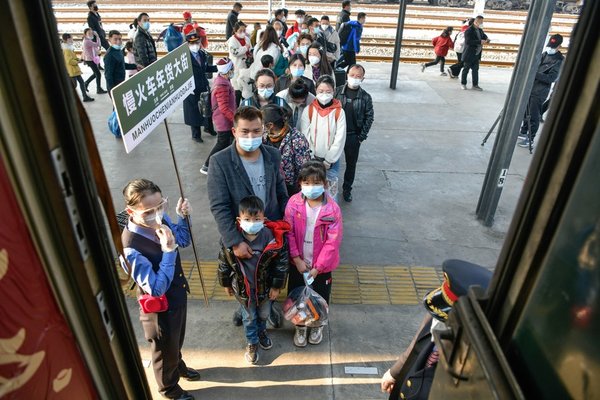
[[279, 137]]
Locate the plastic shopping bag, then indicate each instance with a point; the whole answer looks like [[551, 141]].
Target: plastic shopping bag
[[113, 125], [304, 306]]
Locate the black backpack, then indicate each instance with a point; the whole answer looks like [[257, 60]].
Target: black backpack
[[344, 33]]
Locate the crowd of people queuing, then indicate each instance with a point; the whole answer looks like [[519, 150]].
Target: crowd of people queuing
[[284, 112]]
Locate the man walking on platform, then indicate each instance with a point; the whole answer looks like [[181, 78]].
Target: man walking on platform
[[232, 19]]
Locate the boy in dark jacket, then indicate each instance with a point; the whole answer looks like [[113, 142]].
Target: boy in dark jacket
[[256, 281], [352, 45], [358, 108], [114, 62]]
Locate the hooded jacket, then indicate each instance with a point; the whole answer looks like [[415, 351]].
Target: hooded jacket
[[326, 130], [271, 271], [441, 45], [328, 233], [71, 61], [223, 103], [353, 42]]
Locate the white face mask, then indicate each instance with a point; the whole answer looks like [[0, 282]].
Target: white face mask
[[354, 82], [314, 60], [324, 98], [324, 26], [551, 51], [300, 20], [241, 35], [194, 48], [436, 324]]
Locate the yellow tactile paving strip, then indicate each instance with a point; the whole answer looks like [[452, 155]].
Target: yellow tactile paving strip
[[352, 284]]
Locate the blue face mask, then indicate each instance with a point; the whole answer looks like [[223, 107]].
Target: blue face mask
[[116, 46], [297, 72], [146, 26], [312, 192], [317, 30], [303, 49], [249, 144], [265, 93], [251, 228]]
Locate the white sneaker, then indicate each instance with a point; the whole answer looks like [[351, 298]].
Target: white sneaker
[[316, 335], [300, 336], [443, 74], [204, 170], [463, 87]]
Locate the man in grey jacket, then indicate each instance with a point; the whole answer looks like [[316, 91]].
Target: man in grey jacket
[[246, 168]]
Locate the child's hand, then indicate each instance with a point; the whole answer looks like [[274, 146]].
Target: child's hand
[[314, 272], [273, 293], [229, 291], [301, 265]]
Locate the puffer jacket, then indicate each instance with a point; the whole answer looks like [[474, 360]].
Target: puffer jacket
[[325, 130], [363, 109], [223, 104], [144, 48], [271, 271], [238, 53], [328, 233], [441, 45]]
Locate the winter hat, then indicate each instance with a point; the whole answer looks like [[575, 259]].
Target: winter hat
[[555, 41], [187, 15], [190, 33], [224, 65]]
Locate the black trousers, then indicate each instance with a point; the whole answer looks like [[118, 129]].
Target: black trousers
[[96, 74], [166, 331], [321, 285], [351, 150], [437, 60], [224, 140], [196, 132], [474, 67], [535, 114], [456, 67], [349, 58], [79, 79]]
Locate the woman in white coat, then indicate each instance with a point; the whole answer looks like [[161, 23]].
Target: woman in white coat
[[324, 126], [239, 51], [268, 44]]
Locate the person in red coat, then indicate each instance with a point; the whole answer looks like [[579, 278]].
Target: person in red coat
[[441, 45]]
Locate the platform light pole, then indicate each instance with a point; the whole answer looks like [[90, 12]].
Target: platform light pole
[[530, 54], [398, 44]]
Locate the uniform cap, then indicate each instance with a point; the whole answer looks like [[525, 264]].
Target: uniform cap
[[458, 277], [190, 33], [187, 15]]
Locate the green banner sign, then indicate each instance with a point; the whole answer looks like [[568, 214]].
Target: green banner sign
[[147, 98]]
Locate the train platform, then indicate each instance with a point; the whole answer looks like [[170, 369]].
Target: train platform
[[418, 181]]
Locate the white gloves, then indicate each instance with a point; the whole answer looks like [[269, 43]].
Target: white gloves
[[387, 382], [183, 208]]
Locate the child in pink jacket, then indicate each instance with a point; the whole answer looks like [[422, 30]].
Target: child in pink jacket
[[441, 45], [314, 239]]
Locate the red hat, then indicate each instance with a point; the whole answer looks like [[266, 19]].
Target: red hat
[[187, 15], [190, 33]]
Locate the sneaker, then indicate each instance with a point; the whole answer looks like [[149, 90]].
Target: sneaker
[[477, 88], [443, 74], [264, 340], [101, 91], [204, 170], [450, 74], [463, 87], [423, 66], [347, 197], [237, 318], [524, 143], [522, 136], [316, 335], [300, 336], [251, 355], [87, 99], [198, 139]]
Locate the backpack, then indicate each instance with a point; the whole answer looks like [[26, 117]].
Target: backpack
[[459, 42], [173, 39], [344, 33]]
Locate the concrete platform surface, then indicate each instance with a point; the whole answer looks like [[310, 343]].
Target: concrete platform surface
[[418, 181]]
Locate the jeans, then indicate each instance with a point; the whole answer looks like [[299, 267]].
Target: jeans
[[351, 150], [474, 66], [224, 140], [255, 318], [96, 74], [535, 113], [437, 60], [332, 179]]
